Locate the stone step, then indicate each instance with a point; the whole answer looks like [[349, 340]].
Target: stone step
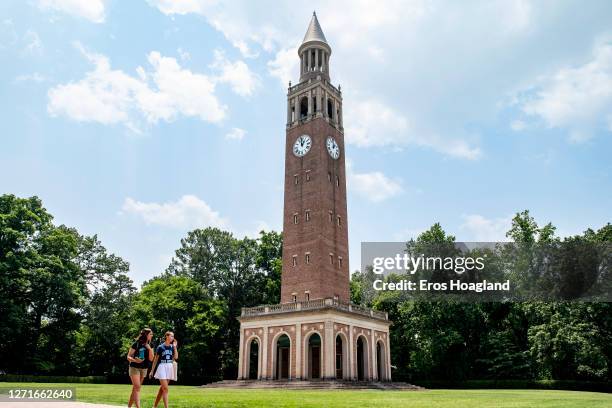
[[313, 385]]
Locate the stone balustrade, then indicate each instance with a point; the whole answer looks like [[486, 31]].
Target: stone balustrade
[[315, 304]]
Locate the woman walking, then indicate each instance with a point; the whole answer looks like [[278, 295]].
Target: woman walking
[[139, 356], [166, 353]]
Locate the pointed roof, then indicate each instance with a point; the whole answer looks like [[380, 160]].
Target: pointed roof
[[314, 32]]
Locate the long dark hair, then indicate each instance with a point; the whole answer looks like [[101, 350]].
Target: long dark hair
[[142, 337]]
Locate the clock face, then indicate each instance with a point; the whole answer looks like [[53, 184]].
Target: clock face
[[302, 145], [332, 148]]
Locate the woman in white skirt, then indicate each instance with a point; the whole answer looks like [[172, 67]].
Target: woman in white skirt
[[166, 353]]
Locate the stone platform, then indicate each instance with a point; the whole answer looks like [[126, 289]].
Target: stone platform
[[314, 385]]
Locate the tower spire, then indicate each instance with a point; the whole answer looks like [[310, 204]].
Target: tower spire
[[314, 31], [314, 52]]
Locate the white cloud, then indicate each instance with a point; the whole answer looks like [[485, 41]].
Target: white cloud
[[186, 213], [285, 65], [185, 55], [237, 74], [236, 134], [182, 7], [373, 186], [8, 35], [420, 54], [371, 123], [518, 125], [111, 96], [235, 20], [93, 10], [482, 229], [33, 44], [33, 77], [578, 99]]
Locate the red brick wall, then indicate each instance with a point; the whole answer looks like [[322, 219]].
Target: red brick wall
[[318, 236]]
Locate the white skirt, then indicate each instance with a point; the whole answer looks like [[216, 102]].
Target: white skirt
[[165, 371]]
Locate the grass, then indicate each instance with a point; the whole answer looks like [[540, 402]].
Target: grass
[[188, 397]]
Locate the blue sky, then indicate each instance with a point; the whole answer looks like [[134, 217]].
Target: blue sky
[[142, 120]]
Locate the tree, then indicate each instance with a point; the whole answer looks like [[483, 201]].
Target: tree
[[269, 260], [184, 306], [240, 272], [107, 312], [51, 279]]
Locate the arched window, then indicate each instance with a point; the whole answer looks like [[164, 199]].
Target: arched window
[[330, 108]]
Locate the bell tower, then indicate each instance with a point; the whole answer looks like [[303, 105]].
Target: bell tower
[[315, 233], [315, 332]]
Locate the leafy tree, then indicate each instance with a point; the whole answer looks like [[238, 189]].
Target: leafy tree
[[107, 311], [50, 277], [269, 260], [240, 272], [184, 306]]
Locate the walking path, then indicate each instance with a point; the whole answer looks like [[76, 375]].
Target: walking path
[[53, 404]]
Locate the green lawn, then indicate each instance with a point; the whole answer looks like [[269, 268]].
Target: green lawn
[[184, 396]]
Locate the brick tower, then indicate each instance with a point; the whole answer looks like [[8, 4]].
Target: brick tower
[[315, 233], [315, 332]]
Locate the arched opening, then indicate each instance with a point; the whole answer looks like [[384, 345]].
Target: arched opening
[[380, 361], [314, 104], [341, 357], [362, 359], [330, 109], [283, 353], [303, 107], [253, 359], [313, 357]]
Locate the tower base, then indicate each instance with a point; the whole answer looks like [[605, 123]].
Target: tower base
[[314, 385], [320, 339]]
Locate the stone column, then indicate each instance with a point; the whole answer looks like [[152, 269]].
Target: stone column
[[316, 60], [264, 368], [388, 348], [241, 356], [309, 102], [289, 111], [324, 103], [298, 351], [328, 352], [351, 358], [334, 116], [309, 65], [374, 373]]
